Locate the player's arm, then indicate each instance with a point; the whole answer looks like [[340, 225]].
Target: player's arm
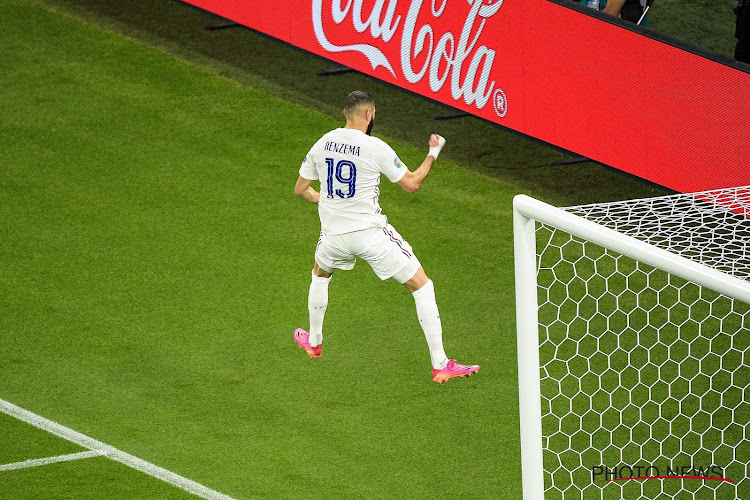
[[304, 190], [411, 181]]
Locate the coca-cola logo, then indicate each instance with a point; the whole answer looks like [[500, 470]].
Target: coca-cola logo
[[422, 51]]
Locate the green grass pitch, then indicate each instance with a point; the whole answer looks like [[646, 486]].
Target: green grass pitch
[[155, 263]]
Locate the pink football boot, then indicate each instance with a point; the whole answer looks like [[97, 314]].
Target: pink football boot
[[303, 340], [453, 370]]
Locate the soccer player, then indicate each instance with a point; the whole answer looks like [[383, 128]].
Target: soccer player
[[348, 162]]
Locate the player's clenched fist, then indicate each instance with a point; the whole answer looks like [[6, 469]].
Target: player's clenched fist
[[436, 144]]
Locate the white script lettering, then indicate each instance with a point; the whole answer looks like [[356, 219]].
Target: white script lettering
[[442, 60]]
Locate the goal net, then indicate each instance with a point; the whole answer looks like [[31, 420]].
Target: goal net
[[633, 326]]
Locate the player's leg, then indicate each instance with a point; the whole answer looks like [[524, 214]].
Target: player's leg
[[317, 303], [423, 291], [391, 256], [328, 258]]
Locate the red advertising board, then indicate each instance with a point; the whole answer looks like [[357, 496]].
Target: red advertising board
[[554, 73]]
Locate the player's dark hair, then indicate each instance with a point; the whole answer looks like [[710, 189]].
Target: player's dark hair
[[357, 99]]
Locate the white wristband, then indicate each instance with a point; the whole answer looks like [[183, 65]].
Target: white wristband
[[435, 150]]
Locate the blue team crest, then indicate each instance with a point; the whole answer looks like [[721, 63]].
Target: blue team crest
[[397, 162]]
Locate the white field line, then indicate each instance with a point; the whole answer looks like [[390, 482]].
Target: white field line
[[111, 452], [50, 460]]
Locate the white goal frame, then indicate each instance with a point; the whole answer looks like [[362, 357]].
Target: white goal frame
[[526, 213]]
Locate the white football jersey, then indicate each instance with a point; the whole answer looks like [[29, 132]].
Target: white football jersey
[[348, 164]]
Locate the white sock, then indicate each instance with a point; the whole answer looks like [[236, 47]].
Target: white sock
[[317, 303], [429, 319]]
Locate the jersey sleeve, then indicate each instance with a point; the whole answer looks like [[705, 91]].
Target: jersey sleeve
[[307, 170], [391, 165]]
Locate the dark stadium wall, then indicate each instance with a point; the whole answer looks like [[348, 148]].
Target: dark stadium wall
[[586, 83]]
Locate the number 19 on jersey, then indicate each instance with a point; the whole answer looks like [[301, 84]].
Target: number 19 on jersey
[[337, 172]]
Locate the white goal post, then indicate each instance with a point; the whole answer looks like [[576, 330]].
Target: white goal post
[[632, 348]]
